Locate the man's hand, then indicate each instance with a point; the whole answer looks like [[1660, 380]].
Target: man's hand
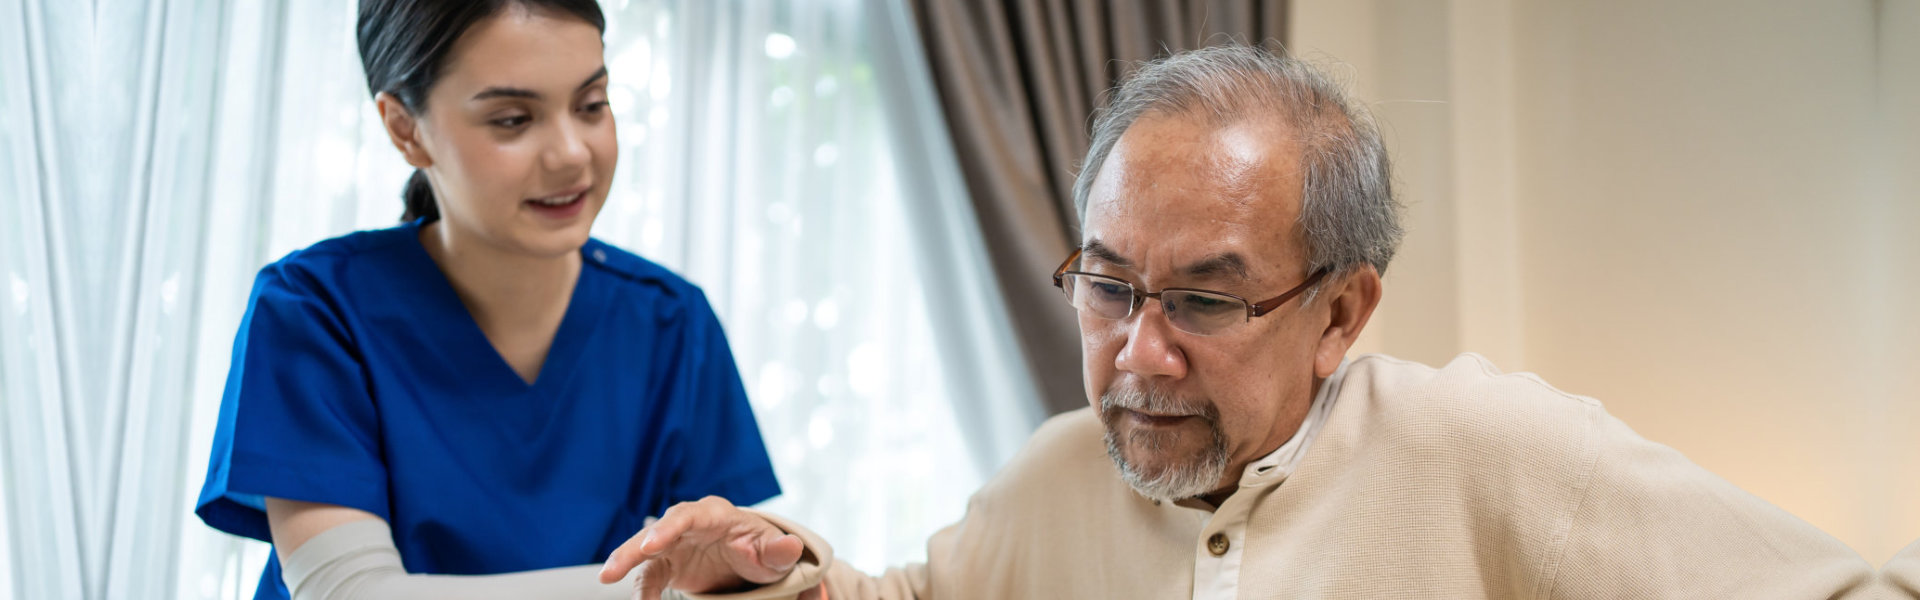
[[705, 546]]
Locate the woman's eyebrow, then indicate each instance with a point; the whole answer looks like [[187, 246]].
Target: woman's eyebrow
[[514, 92], [597, 75]]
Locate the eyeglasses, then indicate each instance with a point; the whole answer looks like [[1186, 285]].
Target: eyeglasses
[[1199, 312]]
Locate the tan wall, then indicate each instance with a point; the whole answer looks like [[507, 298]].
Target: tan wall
[[1702, 213]]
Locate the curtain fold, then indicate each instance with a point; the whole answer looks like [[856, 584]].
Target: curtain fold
[[1019, 81], [975, 327]]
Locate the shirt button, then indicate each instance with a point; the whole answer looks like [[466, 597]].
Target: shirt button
[[599, 255], [1218, 544]]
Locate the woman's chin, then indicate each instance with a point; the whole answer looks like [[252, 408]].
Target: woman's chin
[[548, 240], [553, 244]]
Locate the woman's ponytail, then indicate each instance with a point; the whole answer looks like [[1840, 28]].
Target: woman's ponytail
[[419, 198]]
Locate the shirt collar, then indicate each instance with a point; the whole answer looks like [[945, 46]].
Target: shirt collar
[[1274, 468]]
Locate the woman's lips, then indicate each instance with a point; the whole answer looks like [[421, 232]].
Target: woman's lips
[[567, 210]]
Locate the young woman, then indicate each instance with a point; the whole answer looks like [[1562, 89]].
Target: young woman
[[483, 390]]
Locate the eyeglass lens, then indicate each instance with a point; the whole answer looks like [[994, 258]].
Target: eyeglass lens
[[1198, 313]]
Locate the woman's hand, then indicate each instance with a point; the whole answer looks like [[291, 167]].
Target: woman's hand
[[704, 546]]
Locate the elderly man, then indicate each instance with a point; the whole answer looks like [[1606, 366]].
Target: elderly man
[[1236, 215]]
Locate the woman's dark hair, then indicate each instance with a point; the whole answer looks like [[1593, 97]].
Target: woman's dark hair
[[404, 44]]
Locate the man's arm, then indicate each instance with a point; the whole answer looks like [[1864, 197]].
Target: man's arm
[[712, 550], [1652, 524], [1901, 576]]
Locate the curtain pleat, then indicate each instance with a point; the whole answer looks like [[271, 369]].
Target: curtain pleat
[[1018, 81]]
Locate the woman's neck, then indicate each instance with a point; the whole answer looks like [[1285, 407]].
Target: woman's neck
[[504, 290]]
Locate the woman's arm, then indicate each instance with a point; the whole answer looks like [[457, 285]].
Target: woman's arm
[[294, 522], [330, 552]]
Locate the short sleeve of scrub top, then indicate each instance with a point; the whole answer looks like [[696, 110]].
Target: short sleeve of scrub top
[[359, 379]]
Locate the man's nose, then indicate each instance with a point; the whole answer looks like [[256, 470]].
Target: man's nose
[[1150, 350]]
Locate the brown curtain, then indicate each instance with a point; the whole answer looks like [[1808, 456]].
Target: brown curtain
[[1018, 80]]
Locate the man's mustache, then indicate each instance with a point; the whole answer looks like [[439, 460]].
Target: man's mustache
[[1159, 402]]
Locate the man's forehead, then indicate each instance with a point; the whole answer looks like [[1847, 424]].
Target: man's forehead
[[1206, 189], [1167, 163]]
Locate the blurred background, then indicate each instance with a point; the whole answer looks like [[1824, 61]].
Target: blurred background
[[1701, 213]]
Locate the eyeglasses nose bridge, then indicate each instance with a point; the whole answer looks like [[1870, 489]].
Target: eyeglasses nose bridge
[[1140, 299], [1140, 304]]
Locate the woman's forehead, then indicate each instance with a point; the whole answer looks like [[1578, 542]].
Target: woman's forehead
[[524, 48]]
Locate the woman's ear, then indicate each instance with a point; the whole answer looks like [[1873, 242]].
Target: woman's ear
[[402, 129], [1350, 302]]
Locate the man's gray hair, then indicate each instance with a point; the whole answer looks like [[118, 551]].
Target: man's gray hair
[[1348, 212]]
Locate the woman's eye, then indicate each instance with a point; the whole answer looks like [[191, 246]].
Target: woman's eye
[[594, 108], [512, 122]]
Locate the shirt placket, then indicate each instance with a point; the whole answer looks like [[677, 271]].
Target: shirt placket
[[1217, 553]]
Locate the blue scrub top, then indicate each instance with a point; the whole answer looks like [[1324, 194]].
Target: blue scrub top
[[359, 379]]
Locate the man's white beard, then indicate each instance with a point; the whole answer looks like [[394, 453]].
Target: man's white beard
[[1179, 479]]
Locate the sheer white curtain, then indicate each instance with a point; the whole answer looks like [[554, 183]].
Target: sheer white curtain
[[778, 158], [105, 111], [787, 156]]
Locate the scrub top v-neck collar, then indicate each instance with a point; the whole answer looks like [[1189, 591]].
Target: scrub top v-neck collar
[[483, 362]]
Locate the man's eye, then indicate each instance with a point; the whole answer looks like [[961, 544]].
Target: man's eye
[[1110, 290], [1208, 305]]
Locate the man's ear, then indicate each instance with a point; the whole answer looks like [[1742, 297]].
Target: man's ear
[[1350, 300], [402, 129]]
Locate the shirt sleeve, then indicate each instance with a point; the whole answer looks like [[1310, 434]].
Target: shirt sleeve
[[722, 451], [1652, 524], [1901, 576], [296, 420]]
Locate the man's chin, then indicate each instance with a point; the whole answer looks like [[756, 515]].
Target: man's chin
[[1169, 473], [1150, 467]]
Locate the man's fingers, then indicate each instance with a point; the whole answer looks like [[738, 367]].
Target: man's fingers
[[654, 577], [819, 592], [697, 527], [623, 559], [655, 538], [780, 552], [628, 555], [663, 533], [763, 556]]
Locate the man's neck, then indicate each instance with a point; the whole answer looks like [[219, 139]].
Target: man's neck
[[1217, 498], [1236, 470]]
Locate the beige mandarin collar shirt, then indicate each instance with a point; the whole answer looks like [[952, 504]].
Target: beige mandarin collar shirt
[[1223, 530], [1450, 482]]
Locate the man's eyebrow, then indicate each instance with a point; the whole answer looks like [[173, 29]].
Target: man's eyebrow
[[514, 92], [1224, 263], [1100, 252]]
